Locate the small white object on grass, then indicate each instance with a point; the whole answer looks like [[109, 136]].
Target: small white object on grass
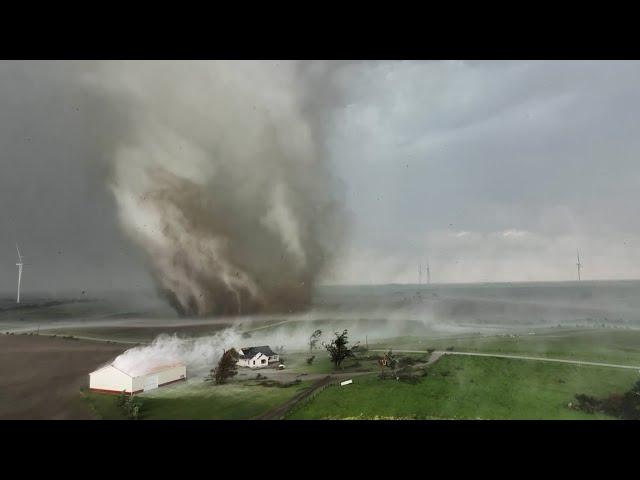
[[346, 382]]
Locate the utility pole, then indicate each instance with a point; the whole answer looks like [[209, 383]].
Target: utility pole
[[428, 273]]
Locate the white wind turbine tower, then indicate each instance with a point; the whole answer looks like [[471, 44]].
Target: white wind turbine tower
[[578, 264], [19, 265]]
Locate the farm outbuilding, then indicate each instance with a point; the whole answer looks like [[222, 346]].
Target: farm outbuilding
[[110, 379]]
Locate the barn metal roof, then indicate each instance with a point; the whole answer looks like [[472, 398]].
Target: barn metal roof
[[144, 372], [160, 368], [107, 366]]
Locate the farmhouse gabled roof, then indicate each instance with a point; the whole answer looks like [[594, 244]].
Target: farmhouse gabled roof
[[250, 352]]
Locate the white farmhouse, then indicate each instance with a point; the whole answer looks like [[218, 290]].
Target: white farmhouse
[[110, 379], [257, 357]]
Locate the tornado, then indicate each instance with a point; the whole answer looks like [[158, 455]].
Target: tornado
[[221, 178]]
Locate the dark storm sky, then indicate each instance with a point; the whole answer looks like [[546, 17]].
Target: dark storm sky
[[53, 196], [496, 171]]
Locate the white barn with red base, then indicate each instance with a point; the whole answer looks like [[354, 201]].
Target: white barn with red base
[[110, 379]]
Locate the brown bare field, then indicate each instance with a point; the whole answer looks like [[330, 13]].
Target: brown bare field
[[41, 376]]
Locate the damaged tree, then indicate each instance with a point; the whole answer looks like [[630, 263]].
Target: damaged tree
[[388, 360], [227, 367], [338, 350], [313, 339], [624, 406]]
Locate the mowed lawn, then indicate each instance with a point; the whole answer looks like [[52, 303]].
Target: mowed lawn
[[296, 363], [472, 388], [201, 401]]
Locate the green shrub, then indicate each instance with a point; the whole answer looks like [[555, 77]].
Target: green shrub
[[133, 408], [624, 406], [122, 399]]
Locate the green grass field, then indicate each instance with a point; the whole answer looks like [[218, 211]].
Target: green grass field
[[597, 345], [198, 400], [456, 387], [472, 388]]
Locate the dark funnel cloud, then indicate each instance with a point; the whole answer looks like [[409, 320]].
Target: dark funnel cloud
[[219, 177], [205, 179]]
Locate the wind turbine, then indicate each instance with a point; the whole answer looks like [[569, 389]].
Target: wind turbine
[[19, 265], [578, 264]]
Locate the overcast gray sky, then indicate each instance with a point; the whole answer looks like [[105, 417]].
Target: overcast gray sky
[[495, 171]]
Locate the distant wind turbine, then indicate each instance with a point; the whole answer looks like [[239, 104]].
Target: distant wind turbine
[[19, 265], [578, 264]]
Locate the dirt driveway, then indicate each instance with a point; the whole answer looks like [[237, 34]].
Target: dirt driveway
[[40, 377]]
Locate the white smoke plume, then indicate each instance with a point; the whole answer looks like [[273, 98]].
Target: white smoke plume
[[199, 354], [221, 179]]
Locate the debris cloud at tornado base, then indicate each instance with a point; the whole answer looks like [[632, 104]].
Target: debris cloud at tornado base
[[219, 175]]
